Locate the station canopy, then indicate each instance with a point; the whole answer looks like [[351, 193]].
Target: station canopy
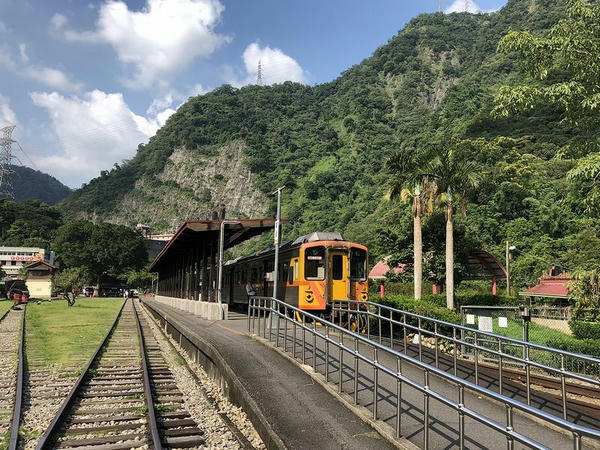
[[193, 231]]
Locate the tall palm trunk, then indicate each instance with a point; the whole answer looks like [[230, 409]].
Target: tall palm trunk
[[418, 247], [449, 256]]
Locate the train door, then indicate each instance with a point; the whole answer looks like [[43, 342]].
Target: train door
[[338, 275]]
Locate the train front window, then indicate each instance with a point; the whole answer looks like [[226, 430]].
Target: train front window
[[337, 267], [358, 264], [314, 263]]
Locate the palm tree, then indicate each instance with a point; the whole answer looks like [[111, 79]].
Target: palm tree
[[410, 182], [454, 176]]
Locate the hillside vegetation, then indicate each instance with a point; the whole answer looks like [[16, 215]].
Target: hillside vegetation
[[433, 82], [30, 184]]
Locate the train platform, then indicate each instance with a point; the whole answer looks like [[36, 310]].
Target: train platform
[[301, 413], [306, 415]]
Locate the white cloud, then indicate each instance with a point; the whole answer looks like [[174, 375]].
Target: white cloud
[[23, 53], [464, 6], [7, 115], [276, 67], [48, 76], [53, 78], [162, 38], [94, 131], [58, 21], [3, 28], [162, 108]]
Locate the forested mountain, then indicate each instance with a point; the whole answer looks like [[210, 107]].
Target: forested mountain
[[432, 82], [30, 184]]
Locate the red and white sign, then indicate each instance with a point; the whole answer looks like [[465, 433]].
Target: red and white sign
[[37, 257]]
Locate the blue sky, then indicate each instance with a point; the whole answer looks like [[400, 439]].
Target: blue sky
[[87, 81]]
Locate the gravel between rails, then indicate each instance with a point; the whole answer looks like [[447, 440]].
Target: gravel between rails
[[201, 408], [44, 391], [9, 337]]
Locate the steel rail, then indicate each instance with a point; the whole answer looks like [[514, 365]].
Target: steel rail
[[45, 439], [151, 416], [258, 304], [241, 438], [16, 418], [501, 341]]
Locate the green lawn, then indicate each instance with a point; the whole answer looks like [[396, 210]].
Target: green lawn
[[67, 336], [4, 306]]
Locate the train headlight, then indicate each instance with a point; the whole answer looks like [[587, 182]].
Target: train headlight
[[309, 297], [364, 297]]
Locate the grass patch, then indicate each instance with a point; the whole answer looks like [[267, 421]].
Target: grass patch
[[178, 359], [160, 408], [61, 335], [5, 305]]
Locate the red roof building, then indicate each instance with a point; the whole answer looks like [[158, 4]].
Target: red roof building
[[553, 284], [379, 271]]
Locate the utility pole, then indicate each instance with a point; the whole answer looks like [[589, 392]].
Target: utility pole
[[6, 160], [507, 269], [259, 74], [277, 239]]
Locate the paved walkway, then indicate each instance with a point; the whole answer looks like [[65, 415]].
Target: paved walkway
[[288, 381], [302, 413]]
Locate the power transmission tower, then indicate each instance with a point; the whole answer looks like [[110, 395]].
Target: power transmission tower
[[6, 160], [259, 74], [439, 5]]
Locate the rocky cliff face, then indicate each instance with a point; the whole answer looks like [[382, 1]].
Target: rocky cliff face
[[191, 186]]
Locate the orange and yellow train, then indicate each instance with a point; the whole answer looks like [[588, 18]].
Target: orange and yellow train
[[313, 271]]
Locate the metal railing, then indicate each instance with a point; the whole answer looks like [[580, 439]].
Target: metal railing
[[385, 322], [265, 315]]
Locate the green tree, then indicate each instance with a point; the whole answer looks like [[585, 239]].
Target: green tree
[[70, 282], [140, 280], [586, 293], [564, 67], [409, 181], [454, 175], [100, 249]]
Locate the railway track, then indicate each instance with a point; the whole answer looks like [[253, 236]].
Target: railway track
[[12, 325], [125, 398]]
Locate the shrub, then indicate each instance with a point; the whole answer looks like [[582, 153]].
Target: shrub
[[423, 308], [589, 347], [585, 330], [476, 299]]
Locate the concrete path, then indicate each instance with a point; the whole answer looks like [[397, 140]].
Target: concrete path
[[288, 381], [301, 412]]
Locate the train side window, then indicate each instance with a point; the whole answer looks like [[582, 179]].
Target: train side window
[[314, 263], [283, 272], [291, 274], [358, 264], [254, 275], [296, 270]]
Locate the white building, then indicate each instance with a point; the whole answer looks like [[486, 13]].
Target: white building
[[12, 259]]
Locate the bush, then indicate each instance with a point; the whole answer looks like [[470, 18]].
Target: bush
[[477, 299], [589, 347], [423, 308], [585, 330]]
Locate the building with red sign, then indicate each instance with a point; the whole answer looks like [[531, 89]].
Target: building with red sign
[[13, 259]]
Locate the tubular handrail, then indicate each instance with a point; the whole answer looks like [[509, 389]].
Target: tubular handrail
[[474, 346], [519, 342], [258, 304], [362, 308]]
